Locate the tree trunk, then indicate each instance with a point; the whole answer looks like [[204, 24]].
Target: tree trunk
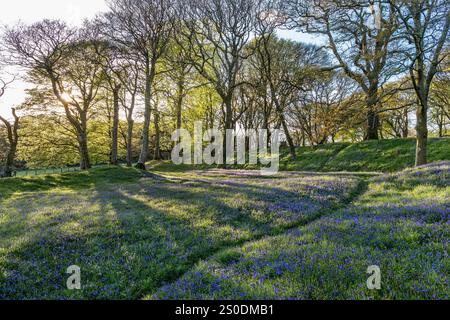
[[422, 133], [130, 142], [9, 164], [179, 102], [130, 128], [288, 137], [79, 124], [441, 124], [228, 101], [13, 139], [290, 142], [266, 127], [406, 124], [85, 162], [373, 119], [150, 75], [115, 129], [157, 155], [373, 124], [179, 106]]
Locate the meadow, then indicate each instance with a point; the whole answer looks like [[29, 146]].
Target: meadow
[[132, 234], [354, 94], [175, 234], [400, 224]]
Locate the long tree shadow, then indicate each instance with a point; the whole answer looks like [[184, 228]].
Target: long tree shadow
[[238, 219], [70, 181], [143, 236]]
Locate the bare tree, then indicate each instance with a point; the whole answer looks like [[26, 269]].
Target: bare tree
[[215, 35], [56, 55], [109, 57], [12, 136], [440, 101], [276, 62], [323, 109], [143, 26], [363, 36], [285, 65], [123, 71], [131, 83], [426, 26]]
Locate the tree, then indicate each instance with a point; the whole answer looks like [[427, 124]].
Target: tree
[[440, 102], [426, 27], [57, 57], [363, 36], [109, 58], [396, 107], [12, 137], [285, 65], [215, 34], [144, 26], [131, 83], [323, 109], [181, 79], [123, 72]]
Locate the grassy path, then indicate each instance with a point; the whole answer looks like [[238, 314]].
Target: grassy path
[[226, 253]]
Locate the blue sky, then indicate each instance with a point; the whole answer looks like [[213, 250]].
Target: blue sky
[[74, 12]]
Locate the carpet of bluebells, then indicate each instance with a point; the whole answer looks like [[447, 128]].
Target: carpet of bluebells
[[400, 224], [132, 237]]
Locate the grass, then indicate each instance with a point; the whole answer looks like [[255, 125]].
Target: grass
[[197, 232], [385, 155], [369, 156], [67, 181], [311, 158], [401, 224], [131, 235]]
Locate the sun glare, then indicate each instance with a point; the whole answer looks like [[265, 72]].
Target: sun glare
[[66, 97]]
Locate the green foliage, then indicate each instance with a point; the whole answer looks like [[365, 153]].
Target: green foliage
[[46, 142]]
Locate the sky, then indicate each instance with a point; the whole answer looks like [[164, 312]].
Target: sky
[[29, 11], [71, 11]]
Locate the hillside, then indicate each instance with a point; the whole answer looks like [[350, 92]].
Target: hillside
[[371, 156]]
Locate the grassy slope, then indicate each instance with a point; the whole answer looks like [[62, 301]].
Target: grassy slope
[[372, 156], [67, 181], [131, 235], [312, 159], [400, 224]]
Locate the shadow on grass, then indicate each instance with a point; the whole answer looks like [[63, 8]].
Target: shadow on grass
[[131, 246], [69, 181]]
